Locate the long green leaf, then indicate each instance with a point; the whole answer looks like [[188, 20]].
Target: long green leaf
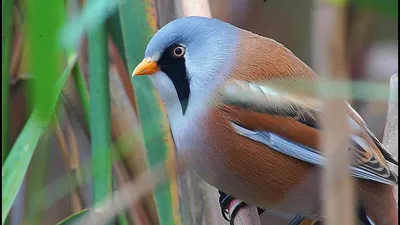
[[44, 25], [100, 111], [16, 164], [73, 218], [138, 25], [7, 16]]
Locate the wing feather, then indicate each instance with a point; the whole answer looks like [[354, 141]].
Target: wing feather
[[369, 155]]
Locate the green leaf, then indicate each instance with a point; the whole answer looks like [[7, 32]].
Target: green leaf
[[44, 24], [16, 164], [73, 218], [100, 121], [137, 29]]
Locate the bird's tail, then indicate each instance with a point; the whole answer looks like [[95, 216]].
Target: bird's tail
[[379, 203]]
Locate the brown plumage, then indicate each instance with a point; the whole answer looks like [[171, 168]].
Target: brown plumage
[[234, 163]]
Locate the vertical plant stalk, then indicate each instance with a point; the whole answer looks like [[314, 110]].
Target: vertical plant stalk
[[99, 112], [330, 62], [7, 10], [76, 198], [390, 135], [138, 23]]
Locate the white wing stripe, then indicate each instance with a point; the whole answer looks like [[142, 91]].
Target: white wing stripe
[[300, 152]]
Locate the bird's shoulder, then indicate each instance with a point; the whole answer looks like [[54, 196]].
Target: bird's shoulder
[[261, 58]]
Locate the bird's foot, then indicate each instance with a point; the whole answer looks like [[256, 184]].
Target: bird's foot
[[230, 211]]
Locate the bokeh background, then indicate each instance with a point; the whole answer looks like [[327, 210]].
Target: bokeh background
[[65, 146]]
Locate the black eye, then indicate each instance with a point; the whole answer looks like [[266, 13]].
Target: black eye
[[178, 51]]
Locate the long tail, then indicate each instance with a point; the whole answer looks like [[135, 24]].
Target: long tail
[[379, 202]]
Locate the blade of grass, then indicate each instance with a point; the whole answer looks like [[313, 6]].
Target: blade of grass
[[16, 164], [100, 111], [7, 10], [138, 23], [43, 28], [73, 218]]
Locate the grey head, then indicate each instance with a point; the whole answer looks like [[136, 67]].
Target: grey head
[[189, 58]]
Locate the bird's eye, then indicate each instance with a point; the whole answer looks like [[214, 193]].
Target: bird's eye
[[178, 51]]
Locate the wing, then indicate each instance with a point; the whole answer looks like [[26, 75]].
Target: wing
[[249, 103]]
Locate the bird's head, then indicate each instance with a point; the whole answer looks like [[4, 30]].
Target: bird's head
[[187, 59]]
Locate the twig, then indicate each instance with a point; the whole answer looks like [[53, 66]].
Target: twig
[[390, 138]]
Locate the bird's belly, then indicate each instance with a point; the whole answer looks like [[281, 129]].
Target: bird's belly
[[250, 171]]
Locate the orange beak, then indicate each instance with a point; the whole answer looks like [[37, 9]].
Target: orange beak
[[146, 67]]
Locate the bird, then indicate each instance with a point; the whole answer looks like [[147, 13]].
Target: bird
[[265, 153]]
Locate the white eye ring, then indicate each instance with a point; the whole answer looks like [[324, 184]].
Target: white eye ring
[[179, 51]]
